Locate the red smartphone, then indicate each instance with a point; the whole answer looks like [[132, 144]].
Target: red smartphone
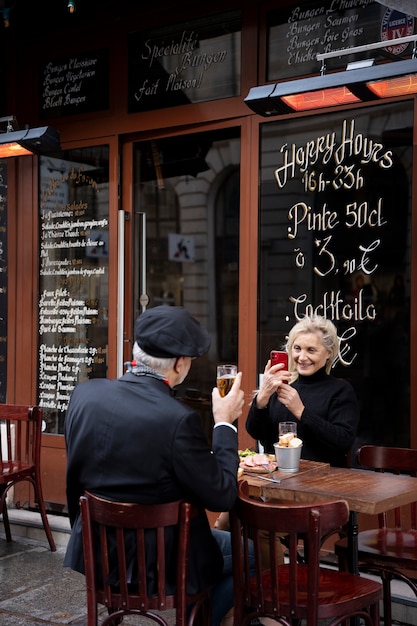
[[279, 356]]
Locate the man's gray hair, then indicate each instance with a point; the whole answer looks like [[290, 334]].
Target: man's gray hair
[[158, 364]]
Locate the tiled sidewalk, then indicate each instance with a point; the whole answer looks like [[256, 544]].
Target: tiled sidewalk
[[35, 587], [36, 590]]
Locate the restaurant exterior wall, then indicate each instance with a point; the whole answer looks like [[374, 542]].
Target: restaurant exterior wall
[[104, 81]]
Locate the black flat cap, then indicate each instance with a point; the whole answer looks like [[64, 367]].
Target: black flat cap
[[168, 331]]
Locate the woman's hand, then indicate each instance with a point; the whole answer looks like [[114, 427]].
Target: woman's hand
[[274, 377], [289, 397]]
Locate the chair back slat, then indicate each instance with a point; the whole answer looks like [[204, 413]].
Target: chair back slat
[[141, 561], [160, 557], [122, 566], [20, 433], [395, 461]]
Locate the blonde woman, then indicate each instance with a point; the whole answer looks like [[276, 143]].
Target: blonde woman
[[325, 408]]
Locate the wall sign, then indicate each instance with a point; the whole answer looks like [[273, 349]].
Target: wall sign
[[189, 62], [73, 85], [297, 34]]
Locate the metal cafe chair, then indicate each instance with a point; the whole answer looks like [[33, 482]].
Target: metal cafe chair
[[20, 451], [294, 591], [115, 533], [389, 551]]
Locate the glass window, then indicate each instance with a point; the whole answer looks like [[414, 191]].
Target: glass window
[[73, 283], [187, 242], [195, 61], [335, 224], [297, 33]]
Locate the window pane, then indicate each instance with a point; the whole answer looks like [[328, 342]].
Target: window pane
[[73, 283], [335, 239], [187, 241], [297, 33], [185, 63]]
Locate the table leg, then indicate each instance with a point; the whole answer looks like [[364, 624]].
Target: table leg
[[352, 540], [353, 562]]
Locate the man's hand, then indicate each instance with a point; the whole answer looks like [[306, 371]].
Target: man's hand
[[229, 408]]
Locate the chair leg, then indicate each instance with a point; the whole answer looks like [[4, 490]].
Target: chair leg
[[374, 613], [41, 504], [387, 601], [5, 514]]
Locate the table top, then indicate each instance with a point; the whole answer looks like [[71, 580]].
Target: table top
[[365, 491]]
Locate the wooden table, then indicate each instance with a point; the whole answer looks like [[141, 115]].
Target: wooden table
[[365, 491]]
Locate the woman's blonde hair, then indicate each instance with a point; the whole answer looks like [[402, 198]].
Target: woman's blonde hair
[[319, 325]]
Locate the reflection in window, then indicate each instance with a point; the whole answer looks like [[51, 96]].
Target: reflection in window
[[187, 188]]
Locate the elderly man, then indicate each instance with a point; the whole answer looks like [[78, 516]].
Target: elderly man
[[130, 440]]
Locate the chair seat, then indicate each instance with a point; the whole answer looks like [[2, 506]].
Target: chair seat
[[335, 588], [17, 468], [385, 546]]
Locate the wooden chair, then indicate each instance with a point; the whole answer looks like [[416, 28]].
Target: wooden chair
[[125, 526], [20, 452], [391, 549], [294, 591]]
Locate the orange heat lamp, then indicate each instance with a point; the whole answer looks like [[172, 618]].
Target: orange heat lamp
[[12, 149], [30, 141], [401, 86], [320, 99], [362, 84]]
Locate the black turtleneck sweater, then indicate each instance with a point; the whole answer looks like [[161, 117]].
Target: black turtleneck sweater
[[328, 423]]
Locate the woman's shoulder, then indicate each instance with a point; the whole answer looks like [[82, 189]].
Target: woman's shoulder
[[329, 381], [341, 386]]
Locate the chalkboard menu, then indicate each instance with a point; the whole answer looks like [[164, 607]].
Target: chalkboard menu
[[298, 33], [73, 293], [185, 63], [3, 281], [335, 241], [73, 85]]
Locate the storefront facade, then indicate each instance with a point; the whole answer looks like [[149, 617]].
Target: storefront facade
[[169, 189]]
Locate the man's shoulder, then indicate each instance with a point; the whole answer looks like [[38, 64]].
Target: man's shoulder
[[97, 388], [93, 382]]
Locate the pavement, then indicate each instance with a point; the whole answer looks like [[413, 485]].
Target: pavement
[[35, 588]]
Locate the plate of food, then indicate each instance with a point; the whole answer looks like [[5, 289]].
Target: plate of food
[[257, 462]]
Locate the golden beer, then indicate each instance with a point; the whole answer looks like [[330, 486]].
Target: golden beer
[[224, 384]]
